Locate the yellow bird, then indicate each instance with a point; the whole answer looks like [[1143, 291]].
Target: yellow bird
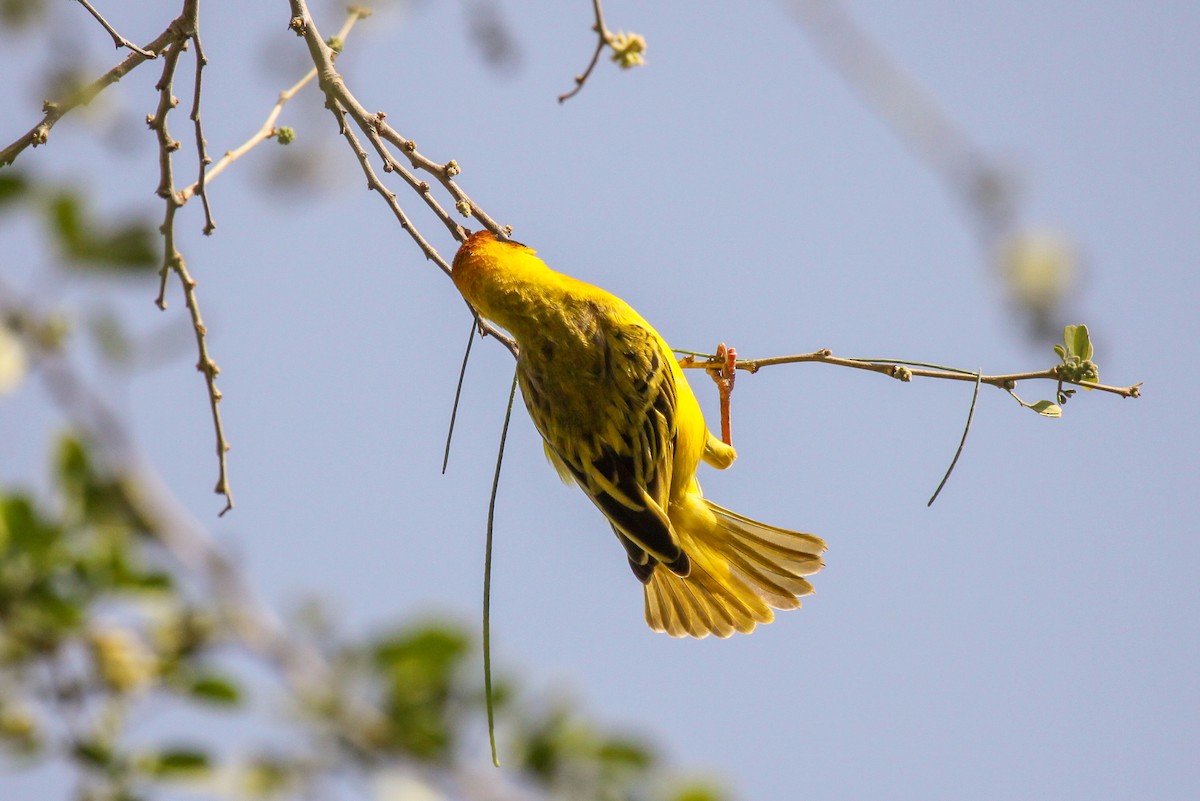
[[620, 420]]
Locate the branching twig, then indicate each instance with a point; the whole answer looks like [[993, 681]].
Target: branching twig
[[201, 152], [268, 129], [905, 371], [602, 39], [166, 181], [173, 260], [374, 126], [118, 40], [55, 110], [342, 104]]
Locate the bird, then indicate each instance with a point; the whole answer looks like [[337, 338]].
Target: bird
[[619, 419]]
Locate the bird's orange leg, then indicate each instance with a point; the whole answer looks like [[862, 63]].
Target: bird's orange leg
[[723, 369]]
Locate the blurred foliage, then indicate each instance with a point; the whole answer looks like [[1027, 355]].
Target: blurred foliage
[[100, 628], [1041, 270], [17, 15], [86, 243], [83, 241]]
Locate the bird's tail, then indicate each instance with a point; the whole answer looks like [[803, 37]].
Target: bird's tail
[[741, 570]]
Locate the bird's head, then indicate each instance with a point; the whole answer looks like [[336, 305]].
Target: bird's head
[[494, 275]]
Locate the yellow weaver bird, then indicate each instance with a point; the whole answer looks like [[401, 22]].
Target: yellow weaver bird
[[620, 420]]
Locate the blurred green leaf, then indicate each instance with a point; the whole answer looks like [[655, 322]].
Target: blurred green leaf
[[85, 243], [215, 689], [270, 777], [418, 668], [19, 14], [698, 792], [625, 753], [13, 188], [176, 763], [110, 338], [93, 753]]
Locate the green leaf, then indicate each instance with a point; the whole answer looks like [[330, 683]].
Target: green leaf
[[698, 792], [216, 689], [144, 581], [72, 465], [1080, 343], [625, 753], [86, 243], [1046, 408], [92, 753], [176, 763], [66, 220], [13, 187]]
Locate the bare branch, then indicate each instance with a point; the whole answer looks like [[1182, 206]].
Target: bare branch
[[602, 39], [55, 110], [905, 371], [118, 40], [173, 260], [201, 152], [342, 104], [268, 129]]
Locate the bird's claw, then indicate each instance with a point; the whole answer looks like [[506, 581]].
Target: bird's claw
[[723, 370]]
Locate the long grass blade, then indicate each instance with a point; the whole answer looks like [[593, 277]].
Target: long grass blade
[[487, 579], [961, 442], [462, 373]]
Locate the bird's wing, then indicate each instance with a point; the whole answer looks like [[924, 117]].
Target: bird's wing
[[624, 460]]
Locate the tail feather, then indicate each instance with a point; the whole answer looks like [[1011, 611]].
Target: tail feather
[[741, 570], [700, 605]]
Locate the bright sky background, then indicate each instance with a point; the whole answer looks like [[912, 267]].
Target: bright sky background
[[1033, 635]]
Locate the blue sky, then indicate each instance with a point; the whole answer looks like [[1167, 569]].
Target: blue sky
[[1031, 635]]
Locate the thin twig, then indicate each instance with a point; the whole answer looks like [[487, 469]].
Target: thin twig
[[602, 39], [961, 442], [342, 104], [166, 181], [201, 62], [904, 370], [173, 260], [118, 40], [487, 577], [374, 125], [55, 110], [268, 129]]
